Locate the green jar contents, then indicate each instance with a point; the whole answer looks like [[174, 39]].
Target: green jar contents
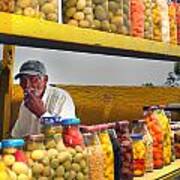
[[139, 151], [15, 159]]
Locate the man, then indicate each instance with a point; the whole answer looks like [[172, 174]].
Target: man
[[39, 100]]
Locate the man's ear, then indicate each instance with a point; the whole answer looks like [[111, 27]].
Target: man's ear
[[46, 78]]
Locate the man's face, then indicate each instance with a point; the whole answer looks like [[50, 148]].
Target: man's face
[[34, 84]]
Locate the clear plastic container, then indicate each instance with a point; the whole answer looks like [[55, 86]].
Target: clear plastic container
[[100, 11], [116, 15], [116, 150], [78, 13], [139, 151], [126, 153], [157, 135], [178, 20], [107, 150], [7, 6], [148, 21], [15, 159], [172, 22], [137, 18], [34, 142], [126, 29], [71, 134], [95, 156]]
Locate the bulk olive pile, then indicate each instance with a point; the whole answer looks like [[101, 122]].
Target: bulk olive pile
[[100, 11], [116, 15], [58, 163], [78, 13]]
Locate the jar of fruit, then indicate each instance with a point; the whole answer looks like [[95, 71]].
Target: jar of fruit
[[71, 134], [107, 150], [116, 15], [139, 151], [95, 155], [15, 159], [126, 153], [7, 6]]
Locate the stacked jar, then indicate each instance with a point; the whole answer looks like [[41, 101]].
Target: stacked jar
[[126, 154], [148, 21], [172, 22], [139, 152], [177, 141], [15, 159], [100, 12], [78, 13], [157, 21], [157, 135], [72, 136], [137, 18], [116, 15], [164, 123], [94, 153], [178, 20], [126, 28], [116, 150], [107, 150]]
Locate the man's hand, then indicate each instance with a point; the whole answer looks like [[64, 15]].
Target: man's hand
[[34, 104]]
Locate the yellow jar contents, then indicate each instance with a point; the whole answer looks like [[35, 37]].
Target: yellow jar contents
[[109, 156]]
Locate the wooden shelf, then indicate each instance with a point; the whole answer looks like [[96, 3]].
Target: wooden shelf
[[25, 31], [168, 172]]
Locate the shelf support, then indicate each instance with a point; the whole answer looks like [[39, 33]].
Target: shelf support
[[6, 82]]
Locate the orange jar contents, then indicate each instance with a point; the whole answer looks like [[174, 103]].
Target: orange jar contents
[[139, 151], [178, 20], [137, 18]]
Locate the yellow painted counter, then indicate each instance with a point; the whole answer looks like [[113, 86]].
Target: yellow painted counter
[[167, 173]]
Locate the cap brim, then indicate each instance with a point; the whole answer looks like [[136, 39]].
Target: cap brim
[[26, 72]]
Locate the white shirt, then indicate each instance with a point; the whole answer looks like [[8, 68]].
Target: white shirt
[[57, 102]]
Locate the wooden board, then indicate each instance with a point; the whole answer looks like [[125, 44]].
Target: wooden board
[[20, 30]]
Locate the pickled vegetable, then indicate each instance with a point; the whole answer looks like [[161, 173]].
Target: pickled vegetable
[[137, 18], [148, 21], [116, 15], [126, 28], [100, 11], [172, 23], [108, 155], [78, 13]]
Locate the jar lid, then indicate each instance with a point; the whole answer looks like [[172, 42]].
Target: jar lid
[[12, 143], [70, 121], [137, 136], [0, 145], [51, 120], [36, 137]]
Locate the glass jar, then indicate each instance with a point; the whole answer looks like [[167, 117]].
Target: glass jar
[[7, 6], [126, 28], [116, 150], [116, 15], [139, 151], [78, 13], [52, 129], [15, 159], [126, 153], [95, 155], [137, 18], [177, 142], [107, 150], [100, 11], [172, 22], [157, 135], [148, 22], [178, 20], [71, 134], [34, 142]]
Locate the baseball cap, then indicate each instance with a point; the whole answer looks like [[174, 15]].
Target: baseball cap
[[31, 67]]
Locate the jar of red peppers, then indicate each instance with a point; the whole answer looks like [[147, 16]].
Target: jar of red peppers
[[139, 152], [157, 135], [126, 154], [71, 134]]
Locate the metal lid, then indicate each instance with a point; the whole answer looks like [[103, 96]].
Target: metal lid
[[136, 136], [12, 143], [70, 121], [36, 137], [51, 120]]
